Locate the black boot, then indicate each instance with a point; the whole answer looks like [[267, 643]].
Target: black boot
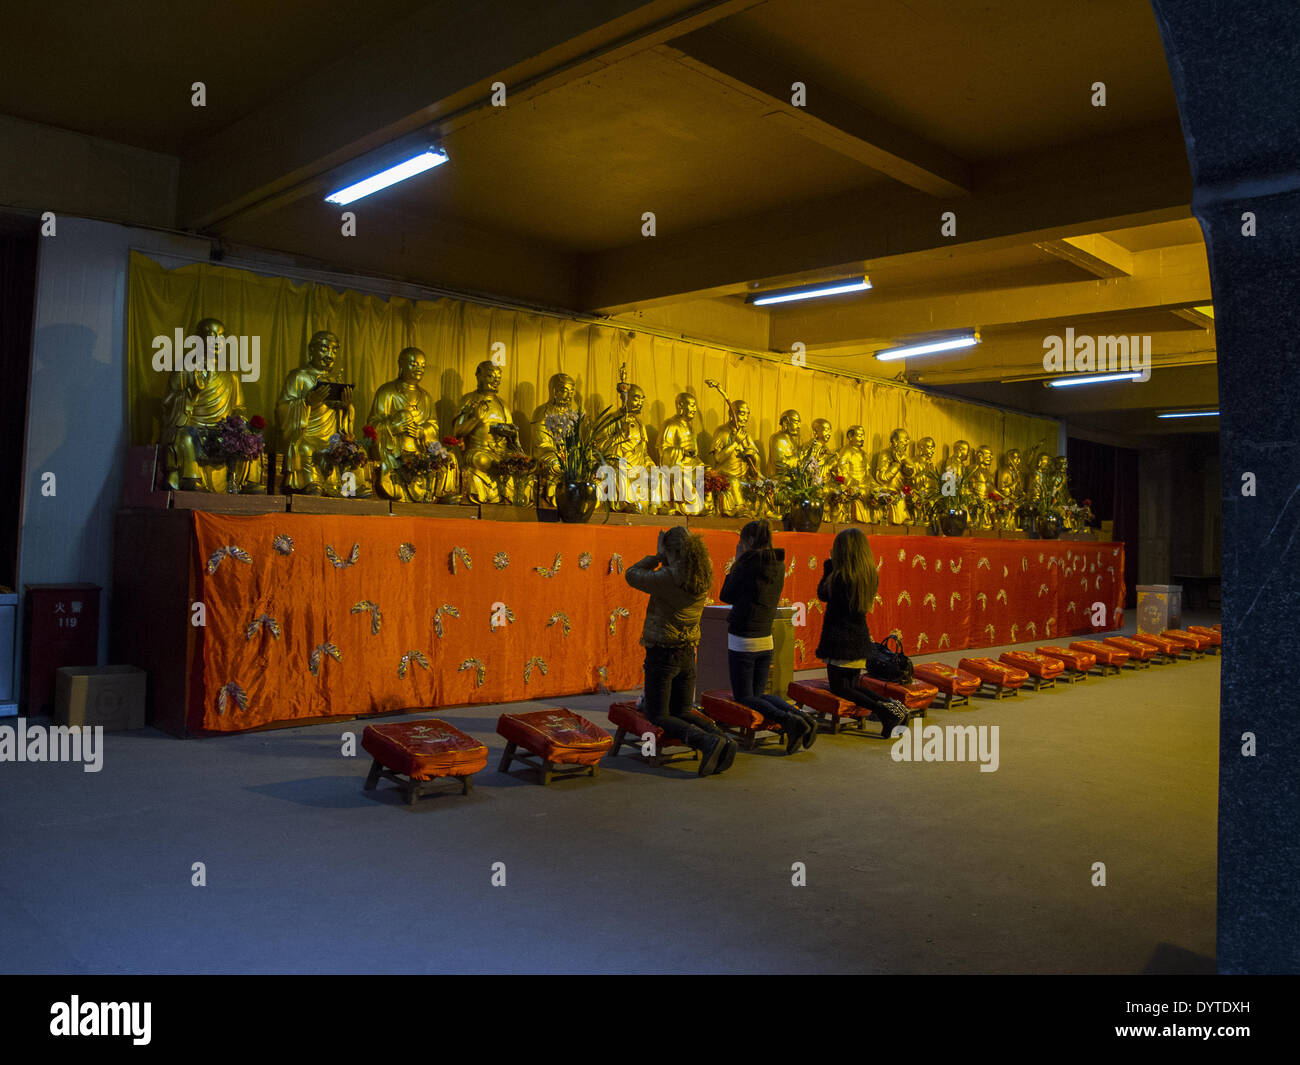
[[728, 755], [811, 737], [796, 730], [711, 749]]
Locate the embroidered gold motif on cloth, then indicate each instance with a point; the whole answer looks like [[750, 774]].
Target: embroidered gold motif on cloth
[[458, 555], [903, 597], [231, 551], [812, 561], [555, 567], [501, 560], [943, 641], [984, 564], [602, 678], [983, 600], [559, 618], [954, 566], [1032, 629], [1013, 632], [366, 606], [230, 691], [614, 615], [405, 552], [584, 560], [323, 649], [616, 562], [1002, 596], [540, 663], [445, 610], [929, 599], [411, 656], [953, 599], [480, 670], [1041, 589], [283, 543], [921, 641], [258, 622], [498, 621], [1047, 626], [340, 563], [920, 559]]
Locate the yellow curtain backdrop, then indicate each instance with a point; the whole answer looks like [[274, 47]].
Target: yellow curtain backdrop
[[456, 335]]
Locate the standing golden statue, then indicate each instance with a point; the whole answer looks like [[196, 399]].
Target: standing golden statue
[[563, 401], [626, 443], [981, 483], [890, 471], [405, 425], [854, 466], [1066, 505], [1037, 480], [485, 429], [315, 417], [735, 456], [197, 402], [785, 445], [678, 447], [1010, 485]]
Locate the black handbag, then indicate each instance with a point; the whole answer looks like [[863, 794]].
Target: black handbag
[[889, 663]]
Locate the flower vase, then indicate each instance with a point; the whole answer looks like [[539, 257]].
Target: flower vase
[[575, 500], [1049, 528], [802, 515], [952, 522], [234, 478]]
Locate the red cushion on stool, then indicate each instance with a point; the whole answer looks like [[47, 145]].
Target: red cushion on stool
[[1080, 661], [817, 695], [723, 708], [997, 673], [1141, 651], [558, 736], [1215, 637], [1107, 656], [948, 679], [1190, 639], [915, 694], [1161, 643], [1041, 666], [423, 750]]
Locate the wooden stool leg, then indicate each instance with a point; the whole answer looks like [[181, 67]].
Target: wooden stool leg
[[547, 768], [595, 768], [466, 784], [618, 741], [507, 756], [373, 778], [412, 791]]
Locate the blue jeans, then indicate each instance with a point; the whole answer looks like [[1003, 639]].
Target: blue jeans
[[749, 673]]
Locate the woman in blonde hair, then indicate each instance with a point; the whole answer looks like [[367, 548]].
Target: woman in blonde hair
[[677, 578], [848, 588]]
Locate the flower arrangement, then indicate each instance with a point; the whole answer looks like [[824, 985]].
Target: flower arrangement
[[342, 453], [579, 442], [431, 459], [716, 484], [369, 433], [761, 490], [233, 439], [452, 441], [803, 480], [516, 464]]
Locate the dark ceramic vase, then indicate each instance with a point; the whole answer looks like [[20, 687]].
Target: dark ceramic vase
[[576, 501], [952, 522], [1048, 528], [803, 516]]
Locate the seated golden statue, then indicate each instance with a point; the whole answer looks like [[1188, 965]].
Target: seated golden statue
[[890, 471], [819, 448], [485, 429], [1010, 485], [403, 418], [313, 416], [626, 445], [958, 462], [735, 456], [980, 483], [924, 481], [854, 466], [1037, 480], [197, 401], [678, 448], [785, 445], [1065, 501], [563, 401]]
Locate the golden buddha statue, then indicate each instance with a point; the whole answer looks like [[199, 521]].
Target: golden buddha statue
[[311, 411], [1010, 485], [1036, 480], [981, 481], [403, 418], [855, 467], [891, 470], [485, 428], [819, 448], [735, 456], [784, 446], [627, 445], [195, 401], [1061, 489], [958, 461], [679, 448], [563, 401], [924, 480]]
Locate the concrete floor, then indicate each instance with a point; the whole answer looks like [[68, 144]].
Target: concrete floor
[[911, 867]]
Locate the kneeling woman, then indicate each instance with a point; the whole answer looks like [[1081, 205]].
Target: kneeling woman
[[677, 579], [753, 588], [848, 588]]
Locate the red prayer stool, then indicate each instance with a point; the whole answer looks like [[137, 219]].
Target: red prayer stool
[[562, 743], [1077, 664], [916, 695], [1042, 670], [1109, 659], [1004, 680], [1139, 654], [1192, 645], [738, 718], [630, 720], [1164, 650], [956, 684], [816, 695], [1213, 635], [416, 754], [1217, 626]]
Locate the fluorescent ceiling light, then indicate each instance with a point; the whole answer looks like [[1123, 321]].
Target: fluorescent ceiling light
[[929, 347], [1188, 414], [1091, 379], [426, 160], [807, 292]]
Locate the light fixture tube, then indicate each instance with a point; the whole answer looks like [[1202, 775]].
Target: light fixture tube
[[1189, 414], [929, 347], [426, 160], [808, 292], [1091, 379]]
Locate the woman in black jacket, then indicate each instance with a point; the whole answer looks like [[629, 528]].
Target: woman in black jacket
[[848, 588], [753, 588]]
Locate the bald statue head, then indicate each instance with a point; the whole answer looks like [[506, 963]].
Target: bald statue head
[[633, 399], [961, 452], [687, 407], [488, 375], [856, 435], [212, 332], [1013, 459], [925, 448], [821, 431], [410, 365], [563, 391], [791, 423], [322, 350], [899, 442], [984, 457], [741, 415]]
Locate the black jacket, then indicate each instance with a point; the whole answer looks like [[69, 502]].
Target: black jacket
[[753, 588], [844, 632]]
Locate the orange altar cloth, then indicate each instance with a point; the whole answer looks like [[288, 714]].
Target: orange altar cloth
[[312, 616]]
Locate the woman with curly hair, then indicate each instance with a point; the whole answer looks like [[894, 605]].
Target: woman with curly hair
[[848, 588], [677, 579], [753, 588]]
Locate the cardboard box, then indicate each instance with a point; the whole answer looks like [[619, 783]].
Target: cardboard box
[[111, 696]]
